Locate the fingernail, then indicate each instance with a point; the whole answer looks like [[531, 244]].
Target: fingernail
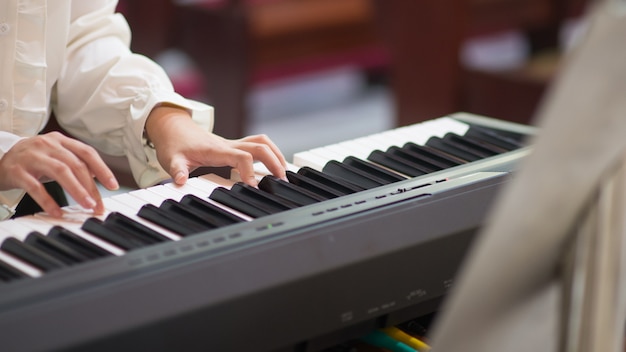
[[98, 211], [113, 185], [89, 203], [180, 177], [253, 182]]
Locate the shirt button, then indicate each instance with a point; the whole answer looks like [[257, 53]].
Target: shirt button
[[4, 28], [3, 104]]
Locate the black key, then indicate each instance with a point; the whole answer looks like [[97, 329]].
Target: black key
[[494, 147], [495, 138], [452, 149], [31, 255], [9, 273], [288, 191], [481, 149], [439, 158], [96, 227], [330, 181], [373, 170], [77, 243], [187, 213], [395, 163], [313, 186], [352, 175], [171, 221], [210, 212], [260, 198], [122, 223], [427, 165], [237, 202], [55, 248]]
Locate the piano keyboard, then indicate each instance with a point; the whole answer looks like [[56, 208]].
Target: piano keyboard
[[170, 212], [362, 147], [200, 264]]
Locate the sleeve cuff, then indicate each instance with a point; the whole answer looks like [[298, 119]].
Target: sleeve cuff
[[146, 168], [8, 202]]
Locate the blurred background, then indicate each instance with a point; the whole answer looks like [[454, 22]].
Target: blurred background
[[315, 72]]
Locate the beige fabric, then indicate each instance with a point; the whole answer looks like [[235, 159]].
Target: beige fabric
[[507, 295], [595, 277]]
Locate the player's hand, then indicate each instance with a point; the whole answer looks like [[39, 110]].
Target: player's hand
[[182, 146], [54, 156]]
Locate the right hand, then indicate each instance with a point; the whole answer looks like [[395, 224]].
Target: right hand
[[54, 156]]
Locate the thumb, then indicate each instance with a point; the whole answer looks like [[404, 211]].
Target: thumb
[[179, 171]]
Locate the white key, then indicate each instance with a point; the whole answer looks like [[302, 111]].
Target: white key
[[361, 147], [443, 125], [20, 264], [22, 226], [383, 140], [188, 188], [72, 220], [327, 154], [74, 224], [217, 180], [236, 177], [367, 147], [352, 149], [3, 232], [127, 204], [202, 188], [131, 212], [309, 159], [14, 228], [208, 182], [421, 132], [421, 136], [261, 170], [406, 134], [166, 192], [148, 196], [129, 201]]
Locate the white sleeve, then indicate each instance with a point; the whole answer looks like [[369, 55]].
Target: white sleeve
[[105, 93], [8, 198]]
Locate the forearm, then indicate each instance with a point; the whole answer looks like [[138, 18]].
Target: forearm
[[163, 119]]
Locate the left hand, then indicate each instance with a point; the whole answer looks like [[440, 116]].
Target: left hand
[[182, 146]]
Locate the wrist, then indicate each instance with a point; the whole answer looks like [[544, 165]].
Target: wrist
[[159, 120]]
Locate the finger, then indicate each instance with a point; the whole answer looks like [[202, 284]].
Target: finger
[[179, 170], [242, 161], [94, 163], [266, 155], [74, 177], [85, 164], [76, 165], [49, 157], [38, 192], [264, 139]]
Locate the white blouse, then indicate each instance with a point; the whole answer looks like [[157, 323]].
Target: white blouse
[[73, 57]]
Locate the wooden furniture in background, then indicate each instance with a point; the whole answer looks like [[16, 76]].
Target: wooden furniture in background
[[239, 43], [236, 44], [425, 38]]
